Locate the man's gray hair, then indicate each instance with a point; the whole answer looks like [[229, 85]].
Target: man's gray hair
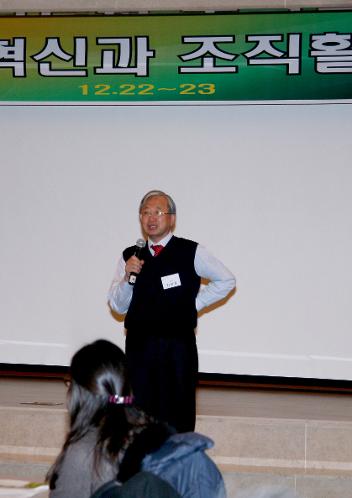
[[155, 193]]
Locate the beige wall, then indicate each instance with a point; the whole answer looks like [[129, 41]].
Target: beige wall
[[21, 6]]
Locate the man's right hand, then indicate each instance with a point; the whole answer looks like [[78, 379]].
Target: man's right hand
[[133, 265]]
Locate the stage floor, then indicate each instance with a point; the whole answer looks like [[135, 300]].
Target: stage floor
[[297, 440], [216, 401]]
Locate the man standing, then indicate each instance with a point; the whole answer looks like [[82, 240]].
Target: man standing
[[161, 311]]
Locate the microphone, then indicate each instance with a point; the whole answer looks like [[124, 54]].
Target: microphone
[[140, 244]]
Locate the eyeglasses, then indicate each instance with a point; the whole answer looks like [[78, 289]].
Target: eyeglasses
[[157, 213]]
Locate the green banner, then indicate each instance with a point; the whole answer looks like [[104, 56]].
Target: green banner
[[207, 58]]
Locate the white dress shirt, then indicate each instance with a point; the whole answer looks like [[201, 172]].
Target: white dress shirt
[[221, 280]]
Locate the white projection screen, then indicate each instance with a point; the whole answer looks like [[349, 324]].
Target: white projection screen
[[266, 188]]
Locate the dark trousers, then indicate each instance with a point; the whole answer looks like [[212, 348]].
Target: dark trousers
[[163, 373]]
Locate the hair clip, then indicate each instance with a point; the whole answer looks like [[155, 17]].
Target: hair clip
[[120, 400]]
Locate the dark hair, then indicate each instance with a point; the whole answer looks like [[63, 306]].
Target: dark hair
[[98, 371]]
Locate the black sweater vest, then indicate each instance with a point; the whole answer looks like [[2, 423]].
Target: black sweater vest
[[158, 311]]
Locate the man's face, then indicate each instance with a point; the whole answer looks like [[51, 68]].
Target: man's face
[[154, 224]]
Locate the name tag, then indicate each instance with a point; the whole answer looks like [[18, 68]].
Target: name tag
[[170, 281]]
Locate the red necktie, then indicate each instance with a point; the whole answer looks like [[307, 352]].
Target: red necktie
[[157, 248]]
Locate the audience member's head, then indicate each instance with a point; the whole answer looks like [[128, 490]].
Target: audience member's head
[[110, 439], [99, 402], [98, 378]]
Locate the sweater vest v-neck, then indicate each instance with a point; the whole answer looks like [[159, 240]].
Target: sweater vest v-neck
[[156, 309]]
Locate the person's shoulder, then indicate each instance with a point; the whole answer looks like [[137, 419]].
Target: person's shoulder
[[187, 243], [75, 475], [185, 248], [82, 450]]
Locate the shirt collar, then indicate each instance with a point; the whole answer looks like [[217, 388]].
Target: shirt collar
[[162, 242]]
